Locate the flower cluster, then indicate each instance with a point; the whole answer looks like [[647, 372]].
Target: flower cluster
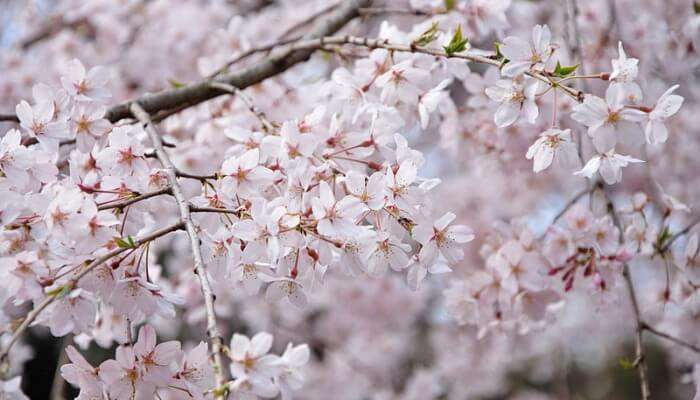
[[147, 369]]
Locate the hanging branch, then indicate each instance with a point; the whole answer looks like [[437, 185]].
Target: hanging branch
[[183, 205], [639, 325]]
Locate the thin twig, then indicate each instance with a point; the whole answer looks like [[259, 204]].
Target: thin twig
[[671, 338], [570, 204], [259, 114], [51, 27], [135, 199], [639, 360], [214, 210], [186, 175], [575, 45], [678, 234], [474, 56], [309, 19], [184, 208], [400, 11], [245, 54]]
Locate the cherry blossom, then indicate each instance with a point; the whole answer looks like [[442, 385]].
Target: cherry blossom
[[244, 174], [86, 85], [88, 125], [667, 105], [441, 238], [607, 120], [522, 56], [37, 121], [516, 97], [609, 165], [552, 143]]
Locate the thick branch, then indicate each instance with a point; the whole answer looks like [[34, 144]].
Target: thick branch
[[184, 207], [8, 118], [277, 62]]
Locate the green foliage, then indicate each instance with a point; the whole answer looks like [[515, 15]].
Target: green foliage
[[457, 43], [125, 244], [563, 72], [428, 36]]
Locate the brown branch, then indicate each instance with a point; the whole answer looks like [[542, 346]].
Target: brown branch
[[51, 27], [284, 56], [242, 56], [183, 205], [9, 118], [306, 21], [671, 338], [73, 282], [277, 62], [259, 114], [639, 325], [400, 11], [214, 210], [571, 203], [677, 235], [186, 175], [473, 56], [129, 201]]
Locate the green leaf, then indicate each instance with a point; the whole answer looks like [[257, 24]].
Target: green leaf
[[497, 47], [58, 291], [663, 237], [696, 7], [428, 36], [449, 4], [563, 72], [625, 363], [175, 84], [125, 244], [457, 43]]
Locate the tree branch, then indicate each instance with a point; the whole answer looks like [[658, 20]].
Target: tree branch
[[678, 234], [277, 62], [135, 199], [267, 125], [9, 118], [639, 325], [184, 207], [477, 57], [671, 338]]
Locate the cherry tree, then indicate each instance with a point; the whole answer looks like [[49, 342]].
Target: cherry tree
[[242, 200]]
